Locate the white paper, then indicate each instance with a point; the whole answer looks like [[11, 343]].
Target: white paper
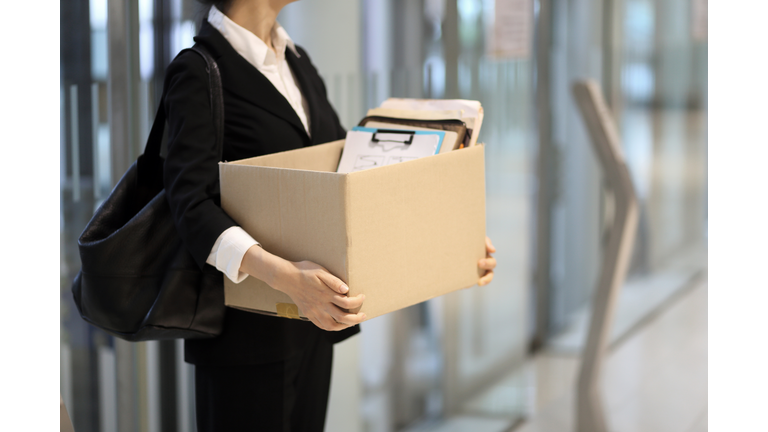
[[471, 108], [361, 152]]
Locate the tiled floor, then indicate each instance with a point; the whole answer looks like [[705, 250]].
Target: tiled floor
[[640, 299], [654, 381]]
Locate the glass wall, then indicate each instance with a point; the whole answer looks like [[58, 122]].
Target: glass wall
[[113, 55], [650, 59], [660, 101]]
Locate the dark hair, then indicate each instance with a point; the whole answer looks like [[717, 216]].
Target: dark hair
[[220, 4]]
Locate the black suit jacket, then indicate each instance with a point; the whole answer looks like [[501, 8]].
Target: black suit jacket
[[258, 120]]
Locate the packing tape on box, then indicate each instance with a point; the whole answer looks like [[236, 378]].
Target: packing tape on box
[[288, 310]]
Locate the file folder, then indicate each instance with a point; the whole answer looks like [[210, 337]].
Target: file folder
[[450, 142], [447, 124]]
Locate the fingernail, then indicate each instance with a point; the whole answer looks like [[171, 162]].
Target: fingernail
[[344, 288]]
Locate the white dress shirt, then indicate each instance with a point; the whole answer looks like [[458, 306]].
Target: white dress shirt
[[230, 248]]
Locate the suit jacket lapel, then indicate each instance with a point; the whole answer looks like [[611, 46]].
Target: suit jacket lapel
[[307, 91], [243, 79]]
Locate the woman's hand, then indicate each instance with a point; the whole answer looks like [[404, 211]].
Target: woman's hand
[[319, 295], [488, 263]]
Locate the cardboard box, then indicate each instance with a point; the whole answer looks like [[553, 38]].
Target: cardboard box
[[400, 234]]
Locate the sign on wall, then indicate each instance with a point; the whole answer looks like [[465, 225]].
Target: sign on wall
[[512, 32]]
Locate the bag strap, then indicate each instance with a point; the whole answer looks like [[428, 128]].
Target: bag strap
[[216, 97]]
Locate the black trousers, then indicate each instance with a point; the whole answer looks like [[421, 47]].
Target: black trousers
[[284, 396]]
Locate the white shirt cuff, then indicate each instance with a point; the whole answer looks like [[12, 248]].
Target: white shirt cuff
[[228, 252]]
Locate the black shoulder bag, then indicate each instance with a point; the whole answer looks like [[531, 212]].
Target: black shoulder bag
[[137, 281]]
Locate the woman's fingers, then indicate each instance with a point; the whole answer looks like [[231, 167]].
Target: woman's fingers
[[345, 302], [486, 279], [334, 318], [489, 248], [330, 324], [349, 319], [487, 263], [325, 321], [342, 304], [333, 282], [321, 296]]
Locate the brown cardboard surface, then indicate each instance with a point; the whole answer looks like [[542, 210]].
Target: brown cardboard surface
[[400, 234]]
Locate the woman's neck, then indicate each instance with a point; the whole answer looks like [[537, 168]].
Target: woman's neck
[[258, 17]]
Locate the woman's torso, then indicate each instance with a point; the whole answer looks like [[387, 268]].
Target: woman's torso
[[259, 120]]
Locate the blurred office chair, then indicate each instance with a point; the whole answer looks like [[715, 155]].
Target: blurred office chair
[[606, 144]]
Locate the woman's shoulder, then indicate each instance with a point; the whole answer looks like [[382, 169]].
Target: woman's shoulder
[[186, 77], [186, 82], [187, 62], [302, 52], [308, 68], [304, 58]]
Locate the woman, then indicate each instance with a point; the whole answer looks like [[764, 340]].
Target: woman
[[265, 372]]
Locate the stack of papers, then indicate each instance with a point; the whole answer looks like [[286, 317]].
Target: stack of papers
[[405, 129], [471, 111]]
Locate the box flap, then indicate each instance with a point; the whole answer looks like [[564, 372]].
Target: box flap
[[322, 157]]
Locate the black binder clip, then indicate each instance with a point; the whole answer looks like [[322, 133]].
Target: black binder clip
[[393, 131]]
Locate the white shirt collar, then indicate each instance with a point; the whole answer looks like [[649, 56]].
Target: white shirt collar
[[250, 46]]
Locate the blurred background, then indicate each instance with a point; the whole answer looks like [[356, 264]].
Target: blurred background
[[496, 358]]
